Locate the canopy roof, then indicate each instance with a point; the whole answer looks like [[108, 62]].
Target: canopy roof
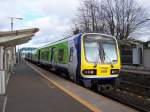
[[130, 42], [13, 38]]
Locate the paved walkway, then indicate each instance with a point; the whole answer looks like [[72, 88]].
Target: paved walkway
[[2, 99], [29, 92]]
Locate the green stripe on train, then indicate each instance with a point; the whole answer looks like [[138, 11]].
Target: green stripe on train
[[45, 53]]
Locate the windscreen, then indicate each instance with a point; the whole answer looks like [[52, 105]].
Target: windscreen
[[100, 49]]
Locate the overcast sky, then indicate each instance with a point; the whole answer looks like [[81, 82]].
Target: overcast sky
[[53, 17]]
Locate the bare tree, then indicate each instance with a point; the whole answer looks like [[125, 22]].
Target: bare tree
[[119, 18], [123, 17], [88, 15]]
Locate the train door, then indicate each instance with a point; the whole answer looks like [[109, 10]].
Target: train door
[[52, 56], [39, 53], [72, 61]]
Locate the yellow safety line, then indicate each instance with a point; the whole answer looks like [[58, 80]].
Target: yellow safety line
[[81, 100]]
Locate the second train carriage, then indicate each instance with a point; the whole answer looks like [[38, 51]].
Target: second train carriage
[[85, 57]]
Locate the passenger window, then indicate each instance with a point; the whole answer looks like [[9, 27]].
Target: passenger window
[[71, 55], [60, 54], [44, 55]]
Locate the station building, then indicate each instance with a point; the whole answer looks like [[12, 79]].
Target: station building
[[135, 54], [146, 55], [8, 42]]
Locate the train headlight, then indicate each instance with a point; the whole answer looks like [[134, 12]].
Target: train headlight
[[89, 72], [114, 71]]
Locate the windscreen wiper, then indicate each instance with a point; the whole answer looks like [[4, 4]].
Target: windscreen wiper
[[101, 53]]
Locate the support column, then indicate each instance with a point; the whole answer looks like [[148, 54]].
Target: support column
[[14, 54], [12, 59], [2, 72], [8, 64]]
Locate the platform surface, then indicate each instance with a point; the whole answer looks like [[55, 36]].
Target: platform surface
[[29, 92]]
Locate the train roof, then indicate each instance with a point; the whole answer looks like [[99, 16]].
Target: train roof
[[61, 40], [72, 37]]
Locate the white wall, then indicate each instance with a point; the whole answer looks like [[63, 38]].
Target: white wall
[[6, 66], [2, 71], [146, 57]]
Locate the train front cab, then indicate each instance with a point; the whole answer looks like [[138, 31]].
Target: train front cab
[[100, 60]]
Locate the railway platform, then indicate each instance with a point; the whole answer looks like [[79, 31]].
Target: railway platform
[[33, 89]]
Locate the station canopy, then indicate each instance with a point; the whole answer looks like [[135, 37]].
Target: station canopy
[[16, 37]]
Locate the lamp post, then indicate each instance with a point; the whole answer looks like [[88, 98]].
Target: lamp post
[[12, 21], [12, 28]]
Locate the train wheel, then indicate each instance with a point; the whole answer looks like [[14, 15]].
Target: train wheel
[[104, 88]]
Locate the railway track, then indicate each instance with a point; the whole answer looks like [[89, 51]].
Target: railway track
[[135, 88], [133, 100], [132, 94]]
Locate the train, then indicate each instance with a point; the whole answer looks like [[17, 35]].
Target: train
[[85, 58]]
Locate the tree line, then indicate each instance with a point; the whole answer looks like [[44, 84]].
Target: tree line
[[119, 18]]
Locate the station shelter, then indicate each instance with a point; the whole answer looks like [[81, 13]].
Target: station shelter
[[131, 52], [135, 53], [8, 42], [146, 56]]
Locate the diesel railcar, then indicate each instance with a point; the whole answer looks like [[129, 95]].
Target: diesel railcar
[[85, 57]]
